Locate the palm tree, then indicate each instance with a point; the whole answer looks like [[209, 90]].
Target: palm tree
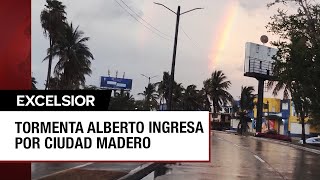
[[246, 98], [74, 59], [163, 92], [163, 87], [150, 96], [246, 104], [216, 87], [139, 105], [177, 96], [34, 82], [122, 101], [204, 100], [53, 19], [54, 83], [191, 98]]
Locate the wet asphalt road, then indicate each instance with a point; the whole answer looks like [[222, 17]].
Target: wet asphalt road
[[42, 170], [235, 157]]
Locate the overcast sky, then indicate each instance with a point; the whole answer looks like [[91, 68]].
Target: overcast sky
[[215, 39]]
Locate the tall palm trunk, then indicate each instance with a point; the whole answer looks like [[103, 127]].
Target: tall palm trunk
[[215, 108], [303, 133], [49, 64], [244, 125]]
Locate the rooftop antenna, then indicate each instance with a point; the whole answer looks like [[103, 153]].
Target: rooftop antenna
[[124, 74], [116, 74], [108, 72]]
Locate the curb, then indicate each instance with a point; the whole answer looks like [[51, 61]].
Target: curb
[[141, 172], [223, 132], [288, 144]]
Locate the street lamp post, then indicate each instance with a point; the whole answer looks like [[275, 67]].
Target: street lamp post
[[148, 77], [178, 14]]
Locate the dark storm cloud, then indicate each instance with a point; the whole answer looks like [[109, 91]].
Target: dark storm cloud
[[109, 10], [252, 5]]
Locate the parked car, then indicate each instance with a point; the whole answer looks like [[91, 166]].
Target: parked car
[[312, 141]]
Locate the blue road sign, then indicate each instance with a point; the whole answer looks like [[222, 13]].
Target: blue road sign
[[116, 83]]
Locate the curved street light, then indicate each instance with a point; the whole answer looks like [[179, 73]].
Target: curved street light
[[178, 14]]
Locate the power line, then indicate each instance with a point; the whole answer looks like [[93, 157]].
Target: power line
[[193, 42], [140, 21], [145, 20]]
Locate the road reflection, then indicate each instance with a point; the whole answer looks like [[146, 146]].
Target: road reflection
[[235, 157]]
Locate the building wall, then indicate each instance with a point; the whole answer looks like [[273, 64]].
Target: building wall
[[285, 113], [274, 106], [295, 126], [285, 108], [290, 118], [294, 120]]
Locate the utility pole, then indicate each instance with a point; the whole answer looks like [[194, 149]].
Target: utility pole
[[178, 14], [148, 77]]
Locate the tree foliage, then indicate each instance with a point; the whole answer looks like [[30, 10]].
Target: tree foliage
[[297, 61], [246, 104], [74, 59], [150, 97], [33, 83], [247, 98], [53, 19], [184, 99], [217, 89], [68, 45], [122, 101]]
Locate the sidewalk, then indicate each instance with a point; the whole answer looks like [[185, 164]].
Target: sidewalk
[[305, 147]]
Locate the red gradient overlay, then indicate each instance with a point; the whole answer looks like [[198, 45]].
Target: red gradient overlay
[[15, 65], [15, 44]]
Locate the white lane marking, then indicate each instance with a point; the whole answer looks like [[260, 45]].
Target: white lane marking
[[259, 158], [220, 139], [136, 169], [139, 167], [65, 170]]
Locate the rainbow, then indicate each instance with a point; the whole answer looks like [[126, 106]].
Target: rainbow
[[222, 37]]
